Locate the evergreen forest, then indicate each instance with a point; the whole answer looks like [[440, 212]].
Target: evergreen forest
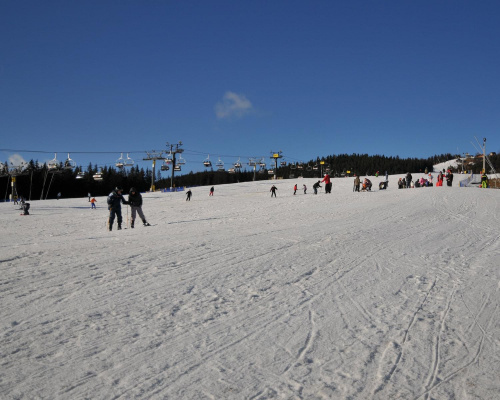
[[36, 181]]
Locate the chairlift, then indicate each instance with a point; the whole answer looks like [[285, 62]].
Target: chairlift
[[270, 171], [98, 175], [207, 163], [293, 166], [165, 167], [181, 161], [80, 175], [128, 162], [283, 163], [262, 163], [300, 166], [251, 162], [168, 158], [220, 165], [309, 168], [237, 164], [315, 167], [53, 165], [69, 163], [177, 168], [120, 163], [231, 170]]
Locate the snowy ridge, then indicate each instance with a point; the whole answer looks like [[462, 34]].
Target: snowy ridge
[[388, 294]]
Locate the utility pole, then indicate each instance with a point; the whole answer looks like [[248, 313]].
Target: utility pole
[[174, 149], [276, 156], [14, 172], [484, 155], [153, 155]]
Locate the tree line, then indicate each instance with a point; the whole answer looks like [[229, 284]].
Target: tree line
[[37, 182]]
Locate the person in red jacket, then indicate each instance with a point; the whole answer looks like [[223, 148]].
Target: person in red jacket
[[328, 184]]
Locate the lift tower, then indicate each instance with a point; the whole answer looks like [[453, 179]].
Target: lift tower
[[153, 155], [174, 149], [276, 156]]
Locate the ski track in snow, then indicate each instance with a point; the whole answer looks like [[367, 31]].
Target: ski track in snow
[[392, 294]]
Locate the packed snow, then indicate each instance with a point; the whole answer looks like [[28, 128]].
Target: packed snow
[[389, 294]]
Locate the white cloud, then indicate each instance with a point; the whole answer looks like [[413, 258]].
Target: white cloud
[[233, 105], [17, 160]]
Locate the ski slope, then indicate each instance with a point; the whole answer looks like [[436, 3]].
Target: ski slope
[[388, 294]]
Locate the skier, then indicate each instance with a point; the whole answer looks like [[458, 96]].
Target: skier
[[484, 180], [135, 201], [449, 178], [316, 186], [408, 180], [26, 207], [89, 195], [357, 183], [273, 191], [305, 189], [367, 185], [92, 202], [58, 195], [328, 185], [295, 189], [115, 200], [211, 191], [188, 195]]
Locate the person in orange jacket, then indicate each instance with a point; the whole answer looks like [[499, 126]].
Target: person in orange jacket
[[92, 203]]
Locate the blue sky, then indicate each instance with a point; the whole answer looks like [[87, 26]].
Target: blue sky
[[239, 79]]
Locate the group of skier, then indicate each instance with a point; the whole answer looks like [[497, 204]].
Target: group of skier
[[115, 201]]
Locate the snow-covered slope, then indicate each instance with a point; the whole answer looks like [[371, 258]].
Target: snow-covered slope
[[388, 294]]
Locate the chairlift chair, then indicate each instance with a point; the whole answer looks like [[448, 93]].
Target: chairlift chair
[[128, 162], [251, 162], [270, 171], [168, 158], [98, 175], [177, 168], [309, 168], [293, 166], [54, 164], [181, 161], [300, 166], [69, 163], [120, 163], [80, 175], [237, 164], [207, 163], [220, 165], [262, 163], [315, 167], [165, 167], [231, 170], [283, 163]]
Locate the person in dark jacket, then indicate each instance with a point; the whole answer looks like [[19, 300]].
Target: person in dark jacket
[[115, 200], [408, 180], [135, 201], [449, 178], [188, 195], [273, 191], [316, 186]]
